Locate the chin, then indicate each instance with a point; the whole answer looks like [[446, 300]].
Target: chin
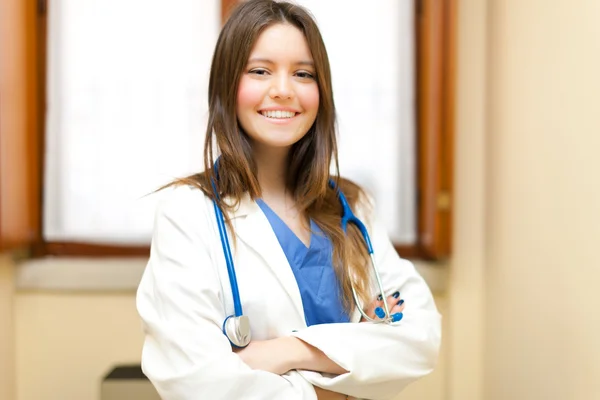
[[279, 144], [279, 141]]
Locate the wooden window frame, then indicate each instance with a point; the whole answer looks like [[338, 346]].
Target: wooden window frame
[[19, 125], [435, 24]]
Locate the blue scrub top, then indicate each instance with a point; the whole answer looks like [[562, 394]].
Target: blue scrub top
[[313, 269]]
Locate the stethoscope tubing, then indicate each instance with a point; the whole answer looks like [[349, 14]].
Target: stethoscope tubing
[[237, 305], [348, 217], [237, 329], [388, 318]]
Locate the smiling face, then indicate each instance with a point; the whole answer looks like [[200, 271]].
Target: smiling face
[[278, 96]]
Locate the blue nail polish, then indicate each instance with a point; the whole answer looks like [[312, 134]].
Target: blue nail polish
[[396, 295], [379, 298], [379, 312], [397, 317], [401, 302]]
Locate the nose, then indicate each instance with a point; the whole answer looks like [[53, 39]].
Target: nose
[[281, 88]]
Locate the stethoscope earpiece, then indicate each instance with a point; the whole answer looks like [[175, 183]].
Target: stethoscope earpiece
[[397, 317]]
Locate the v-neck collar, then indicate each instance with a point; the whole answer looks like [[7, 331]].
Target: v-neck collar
[[289, 232], [251, 226]]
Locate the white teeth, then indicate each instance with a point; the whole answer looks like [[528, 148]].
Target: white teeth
[[278, 114]]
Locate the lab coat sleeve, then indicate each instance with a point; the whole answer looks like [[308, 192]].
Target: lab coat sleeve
[[185, 354], [382, 359]]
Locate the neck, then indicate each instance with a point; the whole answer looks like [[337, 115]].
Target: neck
[[272, 168]]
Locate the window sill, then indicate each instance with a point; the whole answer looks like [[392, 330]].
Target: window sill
[[58, 274]]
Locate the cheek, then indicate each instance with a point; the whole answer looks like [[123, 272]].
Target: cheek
[[310, 98], [248, 95]]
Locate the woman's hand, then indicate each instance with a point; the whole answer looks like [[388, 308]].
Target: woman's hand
[[395, 304]]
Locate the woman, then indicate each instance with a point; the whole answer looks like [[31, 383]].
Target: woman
[[272, 118]]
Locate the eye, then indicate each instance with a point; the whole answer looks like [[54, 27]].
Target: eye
[[258, 71], [305, 75]]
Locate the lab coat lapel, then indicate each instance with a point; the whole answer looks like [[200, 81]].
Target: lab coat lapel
[[253, 228]]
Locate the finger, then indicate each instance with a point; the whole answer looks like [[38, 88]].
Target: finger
[[378, 311], [399, 303], [370, 309], [377, 302], [391, 301], [397, 312], [395, 307], [398, 307]]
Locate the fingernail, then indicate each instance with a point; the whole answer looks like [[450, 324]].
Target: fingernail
[[379, 298], [379, 312], [401, 302], [396, 295], [397, 317]]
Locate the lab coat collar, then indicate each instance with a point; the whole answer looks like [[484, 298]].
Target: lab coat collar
[[253, 228], [245, 207]]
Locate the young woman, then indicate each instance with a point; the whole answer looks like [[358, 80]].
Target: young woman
[[272, 119]]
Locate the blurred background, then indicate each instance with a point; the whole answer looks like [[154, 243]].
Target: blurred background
[[475, 123]]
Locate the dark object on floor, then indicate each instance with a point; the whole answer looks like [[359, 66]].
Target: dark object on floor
[[127, 382]]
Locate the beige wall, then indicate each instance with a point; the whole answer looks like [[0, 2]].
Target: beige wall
[[7, 353], [543, 201], [67, 342], [526, 264], [464, 334]]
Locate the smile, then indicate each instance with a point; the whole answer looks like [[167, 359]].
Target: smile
[[278, 114]]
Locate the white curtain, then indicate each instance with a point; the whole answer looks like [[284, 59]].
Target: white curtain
[[127, 105], [371, 51], [126, 108]]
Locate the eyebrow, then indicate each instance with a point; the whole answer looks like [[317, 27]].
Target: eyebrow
[[266, 60]]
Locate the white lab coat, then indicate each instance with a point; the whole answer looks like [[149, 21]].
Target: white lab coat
[[184, 297]]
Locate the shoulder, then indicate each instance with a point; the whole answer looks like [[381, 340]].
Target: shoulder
[[182, 202], [183, 219]]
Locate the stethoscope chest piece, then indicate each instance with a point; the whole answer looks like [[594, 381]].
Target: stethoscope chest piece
[[237, 330]]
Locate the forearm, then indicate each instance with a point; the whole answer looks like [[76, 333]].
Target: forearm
[[285, 354], [305, 356], [324, 394]]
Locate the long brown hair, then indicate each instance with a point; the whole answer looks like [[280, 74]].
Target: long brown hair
[[310, 158]]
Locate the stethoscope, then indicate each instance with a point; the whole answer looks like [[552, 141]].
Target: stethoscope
[[236, 327]]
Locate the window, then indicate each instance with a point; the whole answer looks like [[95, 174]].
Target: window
[[426, 179]]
